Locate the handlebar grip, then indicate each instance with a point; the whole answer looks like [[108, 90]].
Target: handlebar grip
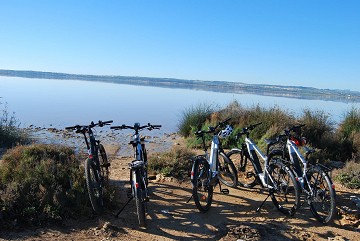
[[71, 127], [116, 127], [156, 126], [107, 122]]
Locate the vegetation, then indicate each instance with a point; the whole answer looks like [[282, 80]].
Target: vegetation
[[194, 117], [41, 183], [176, 163], [10, 133], [349, 176]]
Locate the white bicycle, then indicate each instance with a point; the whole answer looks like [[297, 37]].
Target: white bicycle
[[208, 169], [274, 175]]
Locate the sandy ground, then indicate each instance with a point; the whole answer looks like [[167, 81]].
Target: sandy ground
[[171, 217]]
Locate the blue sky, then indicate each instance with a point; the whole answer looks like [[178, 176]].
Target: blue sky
[[309, 43]]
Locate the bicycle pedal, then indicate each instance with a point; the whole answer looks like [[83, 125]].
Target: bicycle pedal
[[225, 191]]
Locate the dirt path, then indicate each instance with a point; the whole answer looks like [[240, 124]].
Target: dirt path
[[170, 217]]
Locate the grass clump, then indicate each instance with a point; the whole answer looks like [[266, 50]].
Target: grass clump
[[10, 133], [40, 184], [194, 118], [349, 175], [176, 163]]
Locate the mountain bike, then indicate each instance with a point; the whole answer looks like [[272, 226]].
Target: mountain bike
[[96, 165], [313, 179], [138, 171], [207, 169], [274, 175]]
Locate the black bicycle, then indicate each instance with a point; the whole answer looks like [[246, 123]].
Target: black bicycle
[[313, 178], [96, 165], [138, 171]]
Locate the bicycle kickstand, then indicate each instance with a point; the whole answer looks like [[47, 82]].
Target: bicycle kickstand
[[223, 190], [118, 213], [262, 204], [190, 198]]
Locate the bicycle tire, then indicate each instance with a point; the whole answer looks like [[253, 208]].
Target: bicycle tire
[[93, 186], [246, 175], [105, 164], [139, 200], [201, 189], [227, 171], [286, 196], [323, 204]]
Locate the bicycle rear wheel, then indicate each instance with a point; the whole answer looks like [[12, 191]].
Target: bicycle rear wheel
[[227, 171], [285, 190], [246, 172], [322, 202], [93, 185], [202, 190], [139, 193], [105, 164]]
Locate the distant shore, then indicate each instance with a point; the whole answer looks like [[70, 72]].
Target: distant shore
[[298, 92]]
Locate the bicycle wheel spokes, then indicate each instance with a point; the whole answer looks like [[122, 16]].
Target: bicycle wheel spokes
[[245, 172], [202, 191], [94, 187], [322, 201], [285, 194], [227, 171], [105, 164], [139, 194]]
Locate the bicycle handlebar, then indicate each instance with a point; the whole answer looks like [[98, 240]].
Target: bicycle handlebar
[[92, 124], [245, 130], [136, 127], [212, 129]]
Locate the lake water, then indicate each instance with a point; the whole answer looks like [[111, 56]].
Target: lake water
[[59, 103]]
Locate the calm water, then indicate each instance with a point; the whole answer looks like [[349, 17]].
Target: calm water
[[60, 103]]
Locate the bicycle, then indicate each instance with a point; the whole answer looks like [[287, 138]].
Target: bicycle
[[207, 169], [96, 165], [274, 175], [313, 179], [138, 171]]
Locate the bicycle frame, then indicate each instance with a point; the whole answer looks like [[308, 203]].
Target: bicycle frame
[[252, 152], [295, 155]]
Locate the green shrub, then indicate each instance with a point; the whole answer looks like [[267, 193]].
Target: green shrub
[[349, 175], [349, 130], [194, 117], [317, 126], [10, 133], [351, 123], [176, 163], [41, 183]]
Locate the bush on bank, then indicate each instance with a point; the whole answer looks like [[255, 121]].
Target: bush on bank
[[10, 133], [41, 183]]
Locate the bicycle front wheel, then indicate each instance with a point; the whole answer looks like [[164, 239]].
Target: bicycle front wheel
[[322, 201], [93, 185], [246, 172], [139, 194], [284, 190], [201, 188], [227, 171]]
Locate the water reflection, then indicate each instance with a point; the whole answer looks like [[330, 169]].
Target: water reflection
[[60, 103]]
